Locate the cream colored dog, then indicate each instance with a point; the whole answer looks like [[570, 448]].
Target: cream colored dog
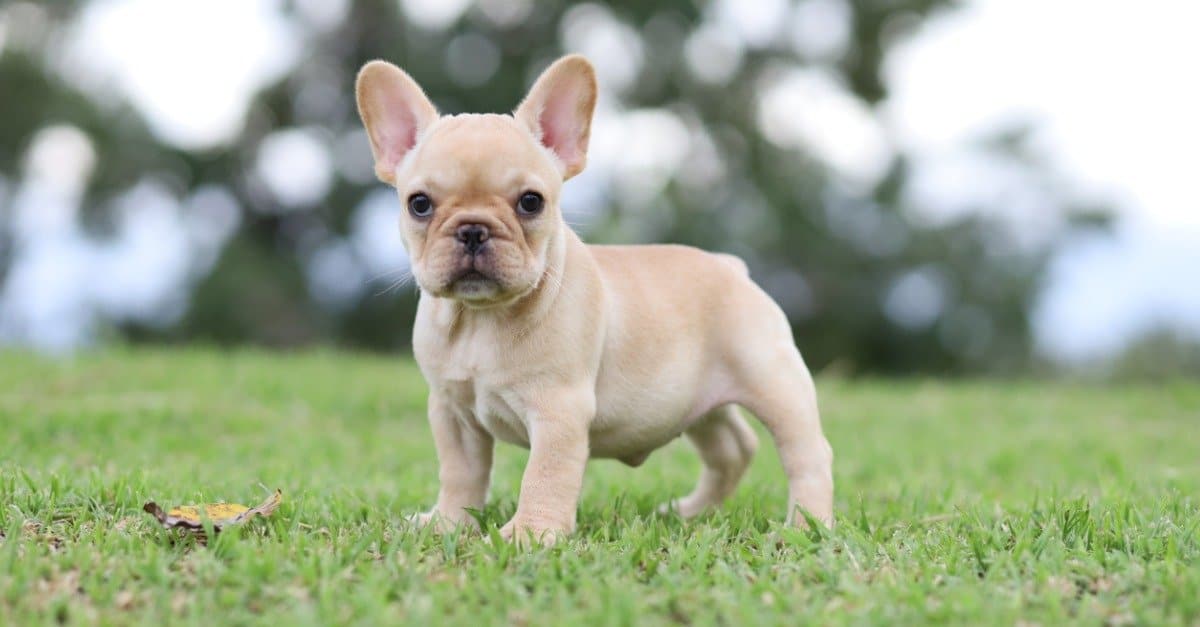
[[527, 335]]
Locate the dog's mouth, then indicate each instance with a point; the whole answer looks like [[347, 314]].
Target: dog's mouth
[[472, 276], [472, 285], [477, 281]]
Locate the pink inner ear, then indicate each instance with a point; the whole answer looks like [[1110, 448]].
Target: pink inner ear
[[400, 135], [561, 125]]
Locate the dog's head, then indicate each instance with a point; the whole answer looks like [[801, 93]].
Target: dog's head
[[480, 191]]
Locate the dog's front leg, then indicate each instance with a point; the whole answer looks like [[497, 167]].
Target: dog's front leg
[[464, 467], [558, 454]]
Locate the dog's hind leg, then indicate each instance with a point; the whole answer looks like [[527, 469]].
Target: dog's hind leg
[[726, 444], [781, 393]]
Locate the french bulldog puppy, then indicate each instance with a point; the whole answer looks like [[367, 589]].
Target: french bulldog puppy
[[527, 335]]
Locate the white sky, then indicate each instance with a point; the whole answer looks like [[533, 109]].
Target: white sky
[[191, 67], [1112, 88], [1109, 84]]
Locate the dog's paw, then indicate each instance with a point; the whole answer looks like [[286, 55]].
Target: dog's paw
[[421, 520], [440, 522], [686, 507], [803, 520], [523, 533]]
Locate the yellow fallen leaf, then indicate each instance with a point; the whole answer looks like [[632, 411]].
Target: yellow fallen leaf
[[221, 515]]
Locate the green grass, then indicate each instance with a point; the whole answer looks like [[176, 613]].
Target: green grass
[[971, 502]]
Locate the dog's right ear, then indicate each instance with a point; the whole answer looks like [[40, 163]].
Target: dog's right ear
[[395, 111]]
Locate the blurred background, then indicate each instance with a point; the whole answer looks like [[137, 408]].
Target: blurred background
[[926, 186]]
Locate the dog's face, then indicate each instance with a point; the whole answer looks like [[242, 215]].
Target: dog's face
[[481, 205], [480, 191]]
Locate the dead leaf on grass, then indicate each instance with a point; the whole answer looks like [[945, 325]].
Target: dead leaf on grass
[[220, 515]]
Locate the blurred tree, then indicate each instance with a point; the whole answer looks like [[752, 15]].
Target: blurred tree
[[867, 286], [1161, 354]]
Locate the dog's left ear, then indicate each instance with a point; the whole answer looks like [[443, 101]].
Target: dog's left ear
[[558, 111]]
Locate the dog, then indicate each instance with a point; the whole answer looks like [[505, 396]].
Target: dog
[[529, 336]]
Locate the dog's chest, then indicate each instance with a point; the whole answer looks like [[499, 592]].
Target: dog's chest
[[474, 400], [468, 384]]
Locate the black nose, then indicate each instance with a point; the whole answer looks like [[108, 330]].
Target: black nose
[[472, 236]]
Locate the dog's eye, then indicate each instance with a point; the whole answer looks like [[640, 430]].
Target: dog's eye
[[420, 205], [530, 203]]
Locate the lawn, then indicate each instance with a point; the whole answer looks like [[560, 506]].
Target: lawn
[[959, 502]]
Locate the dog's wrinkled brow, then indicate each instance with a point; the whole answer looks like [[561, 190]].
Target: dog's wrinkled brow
[[521, 180], [511, 182]]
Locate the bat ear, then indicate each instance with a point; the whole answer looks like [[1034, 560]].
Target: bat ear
[[558, 111], [395, 111]]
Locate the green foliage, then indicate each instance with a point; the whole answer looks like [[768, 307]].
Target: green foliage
[[778, 207], [964, 503], [1161, 355]]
